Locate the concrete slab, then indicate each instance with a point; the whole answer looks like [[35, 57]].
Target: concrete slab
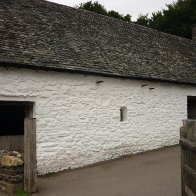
[[149, 174]]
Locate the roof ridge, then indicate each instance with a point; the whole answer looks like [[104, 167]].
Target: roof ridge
[[57, 37], [119, 21]]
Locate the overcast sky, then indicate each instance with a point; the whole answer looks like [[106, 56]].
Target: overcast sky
[[132, 7]]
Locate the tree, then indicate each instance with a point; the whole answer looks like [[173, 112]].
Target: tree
[[100, 9], [93, 7], [177, 19], [143, 20], [127, 18], [115, 14]]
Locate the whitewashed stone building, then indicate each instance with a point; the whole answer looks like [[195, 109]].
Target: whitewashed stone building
[[100, 87]]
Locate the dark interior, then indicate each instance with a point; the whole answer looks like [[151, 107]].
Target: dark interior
[[191, 107], [12, 119]]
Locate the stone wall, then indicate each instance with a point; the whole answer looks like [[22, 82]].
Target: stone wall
[[78, 116], [11, 171], [12, 175]]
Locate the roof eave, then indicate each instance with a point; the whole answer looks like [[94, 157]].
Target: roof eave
[[87, 72]]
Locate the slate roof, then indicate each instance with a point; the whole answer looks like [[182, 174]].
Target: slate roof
[[45, 35]]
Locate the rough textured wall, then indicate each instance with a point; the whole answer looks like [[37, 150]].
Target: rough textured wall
[[78, 120]]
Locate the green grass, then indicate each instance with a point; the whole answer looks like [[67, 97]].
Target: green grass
[[21, 193]]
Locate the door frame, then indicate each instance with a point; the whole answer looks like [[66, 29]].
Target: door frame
[[30, 160]]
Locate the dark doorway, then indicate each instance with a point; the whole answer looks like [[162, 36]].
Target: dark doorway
[[18, 133], [191, 107], [12, 115], [12, 119]]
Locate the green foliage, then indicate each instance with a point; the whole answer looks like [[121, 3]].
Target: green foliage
[[115, 14], [127, 18], [21, 193], [93, 7], [177, 19], [100, 9], [143, 20]]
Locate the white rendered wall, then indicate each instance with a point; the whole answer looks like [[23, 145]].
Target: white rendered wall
[[78, 120]]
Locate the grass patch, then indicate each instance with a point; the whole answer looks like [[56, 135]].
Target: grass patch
[[21, 193]]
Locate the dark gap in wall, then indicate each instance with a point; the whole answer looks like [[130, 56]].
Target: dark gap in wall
[[191, 107], [12, 119], [123, 114]]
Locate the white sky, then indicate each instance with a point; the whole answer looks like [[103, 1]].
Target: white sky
[[132, 7]]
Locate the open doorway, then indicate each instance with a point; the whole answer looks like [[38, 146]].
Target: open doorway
[[12, 127], [17, 139], [191, 107]]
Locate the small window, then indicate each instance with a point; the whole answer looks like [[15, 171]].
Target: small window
[[123, 114], [191, 107]]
